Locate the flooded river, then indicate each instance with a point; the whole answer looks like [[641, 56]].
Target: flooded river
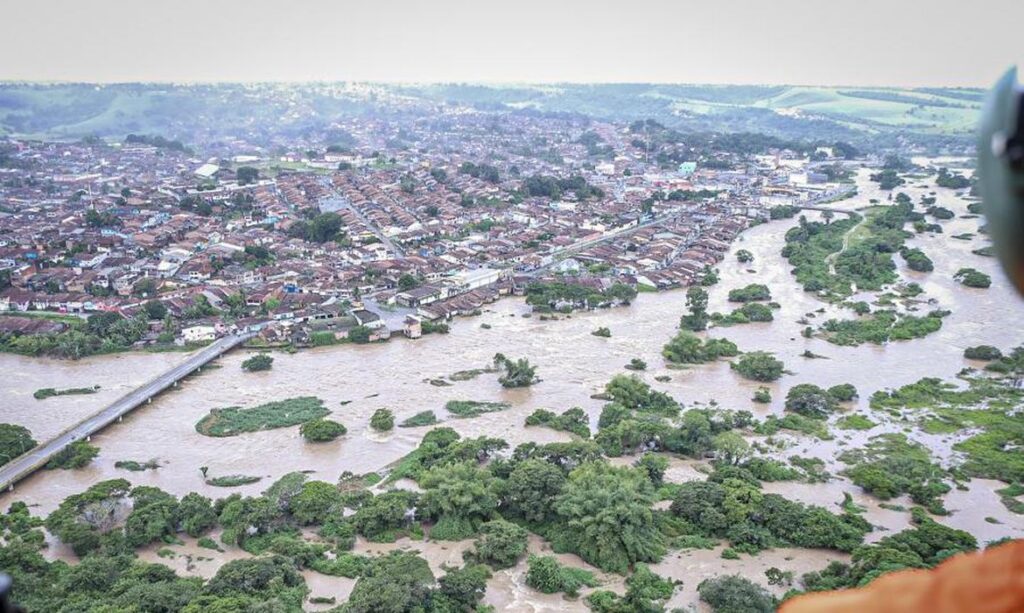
[[354, 381]]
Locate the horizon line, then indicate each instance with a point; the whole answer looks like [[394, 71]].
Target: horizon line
[[486, 83]]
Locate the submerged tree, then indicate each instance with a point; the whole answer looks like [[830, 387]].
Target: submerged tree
[[518, 373]]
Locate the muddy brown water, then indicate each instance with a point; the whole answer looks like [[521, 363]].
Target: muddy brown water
[[573, 365]]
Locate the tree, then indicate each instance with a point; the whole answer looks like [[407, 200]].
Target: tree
[[82, 519], [397, 582], [247, 174], [546, 575], [697, 303], [360, 334], [14, 441], [460, 497], [759, 366], [655, 466], [750, 293], [645, 593], [321, 430], [687, 348], [844, 392], [407, 282], [260, 361], [152, 517], [531, 489], [731, 448], [501, 544], [463, 587], [633, 393], [195, 514], [384, 514], [735, 594], [76, 455], [744, 256], [266, 578], [810, 400], [972, 278], [155, 309], [518, 373], [382, 420], [316, 502], [762, 395], [986, 353], [606, 518]]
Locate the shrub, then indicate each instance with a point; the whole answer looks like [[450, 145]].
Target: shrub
[[759, 366], [750, 293], [260, 361], [687, 348], [546, 575], [500, 544], [636, 364], [972, 278], [382, 420], [76, 455], [734, 594], [986, 353], [321, 430], [844, 392]]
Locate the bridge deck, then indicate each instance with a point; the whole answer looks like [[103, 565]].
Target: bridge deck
[[25, 464]]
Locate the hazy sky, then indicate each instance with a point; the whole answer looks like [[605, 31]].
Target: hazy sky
[[848, 42]]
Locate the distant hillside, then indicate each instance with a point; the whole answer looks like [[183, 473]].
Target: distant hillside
[[202, 112]]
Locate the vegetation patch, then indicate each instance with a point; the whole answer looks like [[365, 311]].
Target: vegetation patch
[[232, 480], [49, 392], [260, 361], [688, 348], [382, 420], [891, 465], [473, 408], [321, 430], [515, 373], [423, 418], [972, 278], [134, 466], [759, 366], [881, 327], [74, 456], [231, 421], [572, 420], [466, 375], [546, 575], [855, 422]]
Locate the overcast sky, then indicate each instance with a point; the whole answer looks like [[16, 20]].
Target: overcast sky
[[842, 42]]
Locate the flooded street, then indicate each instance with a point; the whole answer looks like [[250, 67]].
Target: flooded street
[[354, 381]]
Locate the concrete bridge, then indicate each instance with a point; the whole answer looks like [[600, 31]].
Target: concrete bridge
[[31, 461]]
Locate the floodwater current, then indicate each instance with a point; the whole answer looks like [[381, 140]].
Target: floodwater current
[[573, 364]]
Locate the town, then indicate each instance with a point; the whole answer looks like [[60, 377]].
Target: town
[[369, 229]]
